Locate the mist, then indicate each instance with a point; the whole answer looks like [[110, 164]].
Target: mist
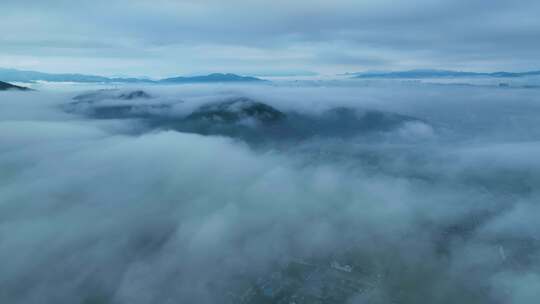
[[374, 193]]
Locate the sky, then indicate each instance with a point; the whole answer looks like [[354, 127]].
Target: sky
[[258, 37]]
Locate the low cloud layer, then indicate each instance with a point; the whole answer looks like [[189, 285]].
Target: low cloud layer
[[439, 208]]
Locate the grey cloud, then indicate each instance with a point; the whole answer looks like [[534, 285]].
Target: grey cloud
[[410, 33], [348, 58]]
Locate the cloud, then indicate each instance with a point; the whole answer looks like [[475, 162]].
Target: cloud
[[162, 34], [107, 211]]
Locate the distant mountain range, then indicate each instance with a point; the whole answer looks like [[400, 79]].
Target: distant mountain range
[[417, 74], [216, 77], [8, 86], [13, 75], [32, 76]]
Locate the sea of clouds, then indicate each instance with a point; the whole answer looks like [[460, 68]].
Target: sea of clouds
[[439, 209]]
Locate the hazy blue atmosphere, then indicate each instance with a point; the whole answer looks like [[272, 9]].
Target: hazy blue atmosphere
[[269, 152]]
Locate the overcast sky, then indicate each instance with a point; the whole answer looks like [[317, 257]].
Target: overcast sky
[[165, 37]]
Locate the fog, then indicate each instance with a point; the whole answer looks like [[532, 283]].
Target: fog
[[373, 193]]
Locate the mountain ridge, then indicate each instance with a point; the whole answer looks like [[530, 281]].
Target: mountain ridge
[[214, 77], [15, 75], [4, 86], [432, 73]]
